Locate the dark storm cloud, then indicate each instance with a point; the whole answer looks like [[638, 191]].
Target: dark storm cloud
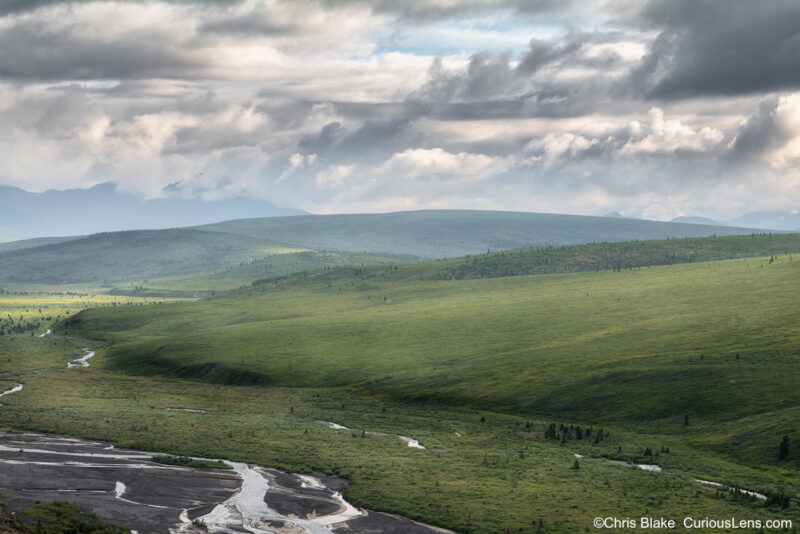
[[484, 76], [372, 142], [709, 47], [436, 10], [320, 142], [380, 135], [411, 10], [29, 53], [540, 53], [759, 133], [19, 6], [8, 7], [769, 128], [489, 77], [491, 87], [258, 21]]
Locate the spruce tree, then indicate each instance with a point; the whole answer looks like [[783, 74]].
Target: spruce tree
[[784, 451]]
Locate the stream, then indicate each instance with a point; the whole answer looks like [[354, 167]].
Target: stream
[[413, 443], [17, 387], [83, 361], [653, 468], [128, 487]]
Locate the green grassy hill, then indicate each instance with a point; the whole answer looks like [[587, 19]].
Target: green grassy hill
[[11, 246], [130, 256], [570, 259], [450, 233], [141, 260], [244, 273], [474, 363], [323, 265], [719, 341]]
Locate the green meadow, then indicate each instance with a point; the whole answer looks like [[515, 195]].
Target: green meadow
[[579, 344], [244, 273], [658, 356], [481, 471]]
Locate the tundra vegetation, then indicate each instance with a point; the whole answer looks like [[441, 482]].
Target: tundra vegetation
[[677, 353]]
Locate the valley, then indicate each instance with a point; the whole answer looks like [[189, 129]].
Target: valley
[[512, 371]]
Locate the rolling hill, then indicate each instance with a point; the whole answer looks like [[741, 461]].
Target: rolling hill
[[450, 233], [103, 259], [124, 256], [11, 246], [245, 273], [631, 340], [717, 340]]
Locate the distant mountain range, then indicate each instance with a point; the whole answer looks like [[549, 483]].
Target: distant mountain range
[[764, 220], [103, 208], [775, 220], [761, 220]]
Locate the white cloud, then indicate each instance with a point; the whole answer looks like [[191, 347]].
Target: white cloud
[[662, 136], [334, 176], [787, 122], [297, 162], [436, 162]]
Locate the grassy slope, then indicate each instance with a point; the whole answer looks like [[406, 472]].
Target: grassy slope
[[130, 256], [576, 258], [581, 345], [475, 477], [21, 244], [245, 273], [449, 233]]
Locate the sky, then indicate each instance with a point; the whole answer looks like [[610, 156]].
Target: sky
[[653, 109]]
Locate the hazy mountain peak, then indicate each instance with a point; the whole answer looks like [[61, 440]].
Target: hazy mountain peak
[[769, 220], [104, 208]]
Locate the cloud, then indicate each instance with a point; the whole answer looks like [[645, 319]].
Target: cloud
[[21, 6], [87, 42], [488, 77], [435, 10], [541, 53], [669, 136], [297, 162], [438, 164], [334, 176], [342, 105], [771, 134], [413, 10], [719, 48], [320, 142], [656, 137]]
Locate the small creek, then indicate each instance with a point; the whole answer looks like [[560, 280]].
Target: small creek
[[83, 361], [17, 387], [653, 468], [267, 501], [413, 443]]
